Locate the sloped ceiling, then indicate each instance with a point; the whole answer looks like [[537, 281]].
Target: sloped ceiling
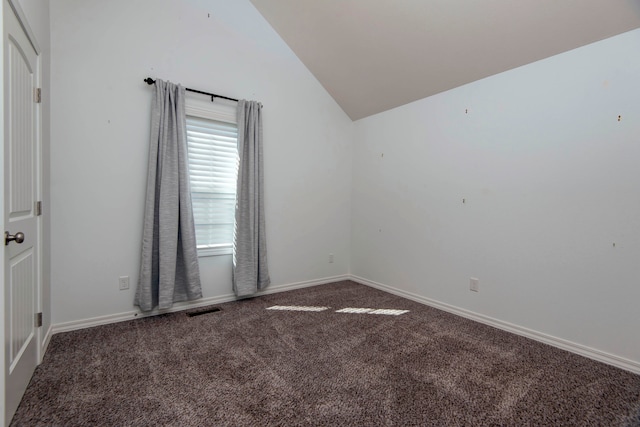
[[374, 55]]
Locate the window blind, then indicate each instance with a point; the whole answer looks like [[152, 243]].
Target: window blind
[[213, 168]]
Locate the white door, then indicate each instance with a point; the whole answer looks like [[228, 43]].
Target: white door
[[21, 166]]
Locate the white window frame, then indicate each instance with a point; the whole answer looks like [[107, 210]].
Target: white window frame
[[196, 106]]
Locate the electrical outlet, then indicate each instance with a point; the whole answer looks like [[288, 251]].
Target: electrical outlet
[[474, 284], [330, 258], [123, 281]]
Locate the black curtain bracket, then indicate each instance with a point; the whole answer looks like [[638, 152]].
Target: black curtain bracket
[[150, 81]]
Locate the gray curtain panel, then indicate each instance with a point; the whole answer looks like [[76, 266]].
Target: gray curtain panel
[[250, 270], [169, 269]]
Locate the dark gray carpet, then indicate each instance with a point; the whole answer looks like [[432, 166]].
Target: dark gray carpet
[[247, 366]]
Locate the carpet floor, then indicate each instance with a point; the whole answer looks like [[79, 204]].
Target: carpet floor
[[248, 366]]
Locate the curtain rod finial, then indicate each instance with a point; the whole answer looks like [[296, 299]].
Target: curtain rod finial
[[149, 81]]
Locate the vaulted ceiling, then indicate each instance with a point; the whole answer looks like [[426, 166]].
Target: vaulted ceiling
[[374, 55]]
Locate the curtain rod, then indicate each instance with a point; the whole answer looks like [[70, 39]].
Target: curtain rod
[[150, 81]]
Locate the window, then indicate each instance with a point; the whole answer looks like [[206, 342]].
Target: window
[[213, 167]]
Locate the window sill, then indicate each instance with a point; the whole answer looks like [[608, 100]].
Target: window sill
[[205, 252]]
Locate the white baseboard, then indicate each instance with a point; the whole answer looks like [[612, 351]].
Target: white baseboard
[[563, 344], [45, 341], [137, 314], [305, 284]]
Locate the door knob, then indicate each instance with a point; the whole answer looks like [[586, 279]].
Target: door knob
[[18, 237]]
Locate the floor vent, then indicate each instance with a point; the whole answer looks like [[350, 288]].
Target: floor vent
[[200, 311]]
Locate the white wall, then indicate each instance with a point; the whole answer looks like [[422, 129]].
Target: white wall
[[101, 52], [547, 171], [550, 178]]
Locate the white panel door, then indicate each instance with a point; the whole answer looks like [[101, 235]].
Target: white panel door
[[21, 165]]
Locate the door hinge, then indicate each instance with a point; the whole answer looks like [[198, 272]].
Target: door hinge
[[38, 320], [38, 95], [38, 208]]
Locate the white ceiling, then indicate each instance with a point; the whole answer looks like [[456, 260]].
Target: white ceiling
[[374, 55]]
